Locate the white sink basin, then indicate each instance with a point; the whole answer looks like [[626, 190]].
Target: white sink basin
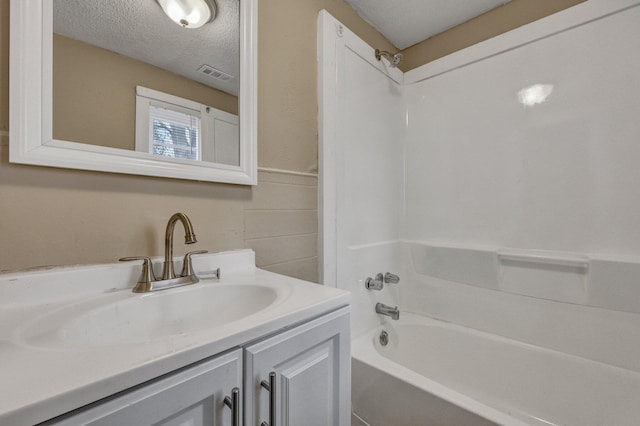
[[125, 317]]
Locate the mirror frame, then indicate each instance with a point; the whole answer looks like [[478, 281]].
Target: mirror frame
[[31, 107]]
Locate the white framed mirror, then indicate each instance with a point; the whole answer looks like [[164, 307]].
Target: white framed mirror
[[37, 136]]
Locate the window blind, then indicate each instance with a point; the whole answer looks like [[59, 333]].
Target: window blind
[[175, 133]]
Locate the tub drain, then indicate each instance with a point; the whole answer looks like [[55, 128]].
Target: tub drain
[[384, 338]]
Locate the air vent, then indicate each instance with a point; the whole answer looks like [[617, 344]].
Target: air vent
[[214, 73]]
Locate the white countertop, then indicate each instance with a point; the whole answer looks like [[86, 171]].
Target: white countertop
[[43, 376]]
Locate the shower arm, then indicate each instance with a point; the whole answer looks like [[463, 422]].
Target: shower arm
[[394, 59]]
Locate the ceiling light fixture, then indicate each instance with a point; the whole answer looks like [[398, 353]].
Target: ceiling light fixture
[[189, 13]]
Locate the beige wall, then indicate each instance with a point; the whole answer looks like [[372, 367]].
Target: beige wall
[[94, 93], [495, 22], [53, 216]]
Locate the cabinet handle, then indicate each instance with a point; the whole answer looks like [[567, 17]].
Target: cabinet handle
[[233, 402], [271, 387]]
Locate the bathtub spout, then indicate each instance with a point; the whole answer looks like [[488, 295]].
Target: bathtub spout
[[383, 309]]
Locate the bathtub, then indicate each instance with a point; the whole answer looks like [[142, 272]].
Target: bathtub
[[437, 373]]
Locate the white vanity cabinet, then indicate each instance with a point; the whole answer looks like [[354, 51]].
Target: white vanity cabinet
[[301, 377], [192, 396], [310, 385]]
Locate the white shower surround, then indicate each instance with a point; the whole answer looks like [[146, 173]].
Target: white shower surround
[[489, 182]]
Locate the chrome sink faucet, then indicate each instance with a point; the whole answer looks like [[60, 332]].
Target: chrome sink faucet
[[148, 281], [383, 309], [189, 238]]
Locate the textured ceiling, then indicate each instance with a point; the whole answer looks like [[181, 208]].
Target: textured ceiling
[[407, 22], [140, 29]]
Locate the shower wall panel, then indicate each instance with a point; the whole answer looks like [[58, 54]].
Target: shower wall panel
[[372, 132], [362, 158], [537, 147], [370, 189]]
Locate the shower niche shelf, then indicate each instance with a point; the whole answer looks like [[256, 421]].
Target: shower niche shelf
[[603, 281], [545, 275]]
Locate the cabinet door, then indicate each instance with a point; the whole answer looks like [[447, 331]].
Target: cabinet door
[[312, 366], [193, 396]]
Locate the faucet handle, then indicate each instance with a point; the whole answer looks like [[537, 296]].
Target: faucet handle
[[147, 277], [390, 278], [374, 283], [187, 267]]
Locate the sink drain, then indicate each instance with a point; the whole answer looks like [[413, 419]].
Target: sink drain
[[384, 338]]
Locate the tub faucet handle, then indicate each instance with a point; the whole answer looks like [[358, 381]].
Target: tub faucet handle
[[374, 283], [390, 278]]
